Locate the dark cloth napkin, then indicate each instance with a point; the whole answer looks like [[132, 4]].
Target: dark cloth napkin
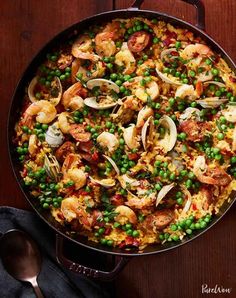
[[54, 281]]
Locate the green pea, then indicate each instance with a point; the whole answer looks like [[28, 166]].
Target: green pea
[[118, 82], [135, 233], [173, 227], [185, 81], [62, 77], [192, 73], [129, 232], [116, 225], [156, 40], [220, 136], [171, 101], [182, 136], [208, 61], [203, 224], [109, 65], [103, 241], [109, 242], [161, 237], [101, 231], [45, 205], [172, 176], [233, 160], [44, 127], [179, 201], [177, 74], [218, 93], [189, 231], [215, 71]]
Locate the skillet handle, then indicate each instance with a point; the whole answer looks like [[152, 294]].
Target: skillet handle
[[81, 269], [198, 4]]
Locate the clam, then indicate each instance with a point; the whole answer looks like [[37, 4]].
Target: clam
[[111, 161], [186, 91], [190, 113], [54, 137], [147, 133], [170, 137], [103, 84], [205, 76], [55, 90], [167, 52], [107, 183], [108, 140], [168, 78], [143, 114], [128, 182], [230, 113], [219, 84], [52, 166], [105, 100], [211, 102], [163, 192], [189, 199], [130, 137]]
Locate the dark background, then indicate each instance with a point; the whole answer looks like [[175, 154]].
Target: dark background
[[25, 25]]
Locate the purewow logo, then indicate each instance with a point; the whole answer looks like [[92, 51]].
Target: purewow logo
[[217, 289]]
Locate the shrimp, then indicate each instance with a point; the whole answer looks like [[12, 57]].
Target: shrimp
[[186, 91], [63, 122], [150, 89], [71, 172], [105, 46], [83, 44], [71, 161], [44, 111], [143, 115], [143, 67], [96, 69], [73, 96], [216, 176], [131, 102], [125, 215], [32, 145], [78, 176], [71, 208], [139, 203], [108, 140], [125, 58], [193, 50]]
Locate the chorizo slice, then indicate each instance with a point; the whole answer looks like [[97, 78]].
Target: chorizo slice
[[78, 132], [138, 41]]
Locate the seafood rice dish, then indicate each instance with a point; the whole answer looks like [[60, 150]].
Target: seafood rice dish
[[127, 133]]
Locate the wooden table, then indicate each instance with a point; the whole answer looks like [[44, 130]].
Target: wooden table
[[25, 26]]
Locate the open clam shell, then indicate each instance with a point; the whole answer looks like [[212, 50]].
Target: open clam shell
[[92, 103], [107, 183], [190, 113], [111, 161], [163, 192], [168, 79], [52, 166], [54, 137], [128, 182], [55, 90], [103, 84], [219, 84], [211, 102], [130, 136], [168, 52], [230, 113], [147, 133], [170, 137]]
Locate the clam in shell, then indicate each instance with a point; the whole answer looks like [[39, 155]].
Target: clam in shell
[[163, 192], [130, 136], [168, 78], [190, 113], [52, 166], [107, 183], [54, 137], [111, 161], [211, 102], [105, 100], [170, 137], [128, 182], [103, 84], [55, 90], [147, 133]]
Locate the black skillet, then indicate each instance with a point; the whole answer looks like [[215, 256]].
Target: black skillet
[[61, 232]]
